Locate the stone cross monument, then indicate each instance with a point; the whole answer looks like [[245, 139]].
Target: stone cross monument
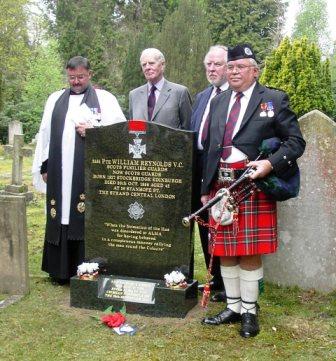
[[19, 151]]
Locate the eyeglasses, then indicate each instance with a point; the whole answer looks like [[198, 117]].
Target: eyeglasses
[[239, 68], [79, 77]]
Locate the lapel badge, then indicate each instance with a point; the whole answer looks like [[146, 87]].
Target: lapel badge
[[270, 109], [263, 107], [52, 212]]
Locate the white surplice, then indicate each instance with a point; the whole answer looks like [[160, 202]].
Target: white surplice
[[111, 113]]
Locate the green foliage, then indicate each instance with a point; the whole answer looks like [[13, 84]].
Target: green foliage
[[257, 22], [44, 76], [333, 76], [296, 67], [184, 53], [88, 28], [14, 50], [312, 23]]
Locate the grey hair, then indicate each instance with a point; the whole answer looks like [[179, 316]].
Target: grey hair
[[216, 47], [156, 53], [254, 63]]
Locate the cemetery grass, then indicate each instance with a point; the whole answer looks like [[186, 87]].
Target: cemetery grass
[[295, 324]]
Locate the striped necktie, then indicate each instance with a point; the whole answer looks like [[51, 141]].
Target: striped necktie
[[230, 125]]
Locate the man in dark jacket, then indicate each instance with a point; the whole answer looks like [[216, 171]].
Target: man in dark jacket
[[240, 119], [215, 70]]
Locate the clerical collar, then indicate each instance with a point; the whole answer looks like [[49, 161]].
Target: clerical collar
[[74, 93]]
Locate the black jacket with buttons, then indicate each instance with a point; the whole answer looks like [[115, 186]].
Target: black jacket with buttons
[[253, 130]]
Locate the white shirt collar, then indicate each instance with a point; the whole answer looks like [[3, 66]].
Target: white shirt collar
[[247, 93], [224, 86], [158, 85]]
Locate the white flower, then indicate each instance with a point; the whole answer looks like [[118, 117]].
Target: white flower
[[92, 267], [168, 278], [81, 269], [174, 277], [87, 268], [177, 277]]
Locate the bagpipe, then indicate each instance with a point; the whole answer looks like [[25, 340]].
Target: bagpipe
[[224, 205], [226, 201]]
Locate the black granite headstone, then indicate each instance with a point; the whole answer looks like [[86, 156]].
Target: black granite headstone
[[138, 183], [138, 188]]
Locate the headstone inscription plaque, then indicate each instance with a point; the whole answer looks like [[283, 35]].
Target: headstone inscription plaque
[[138, 188]]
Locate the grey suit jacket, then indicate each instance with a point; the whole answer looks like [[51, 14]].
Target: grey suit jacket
[[172, 108]]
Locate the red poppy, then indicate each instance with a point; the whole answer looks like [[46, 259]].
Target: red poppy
[[115, 319]]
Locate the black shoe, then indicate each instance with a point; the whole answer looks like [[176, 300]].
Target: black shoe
[[225, 317], [218, 297], [59, 281], [249, 325]]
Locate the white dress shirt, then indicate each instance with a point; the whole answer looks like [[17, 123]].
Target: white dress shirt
[[236, 155], [223, 87], [158, 87]]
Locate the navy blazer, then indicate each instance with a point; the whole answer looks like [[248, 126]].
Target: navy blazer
[[253, 130], [198, 108]]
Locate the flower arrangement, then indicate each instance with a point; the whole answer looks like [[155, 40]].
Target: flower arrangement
[[116, 320], [88, 271], [175, 279]]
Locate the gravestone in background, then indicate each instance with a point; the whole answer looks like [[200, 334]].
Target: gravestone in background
[[138, 189], [306, 225], [14, 127], [14, 276], [18, 152]]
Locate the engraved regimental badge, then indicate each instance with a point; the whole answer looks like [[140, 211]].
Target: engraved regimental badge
[[52, 209], [136, 210], [137, 149], [53, 212], [81, 205]]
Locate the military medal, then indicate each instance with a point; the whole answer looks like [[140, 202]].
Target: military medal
[[270, 108], [263, 107], [81, 205], [53, 209]]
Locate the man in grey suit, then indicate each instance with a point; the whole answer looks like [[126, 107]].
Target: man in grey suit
[[160, 100]]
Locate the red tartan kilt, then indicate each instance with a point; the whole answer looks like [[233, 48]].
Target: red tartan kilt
[[257, 229]]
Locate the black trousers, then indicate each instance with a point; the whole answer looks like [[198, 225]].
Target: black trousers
[[203, 231], [61, 260]]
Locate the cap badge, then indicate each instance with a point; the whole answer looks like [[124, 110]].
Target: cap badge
[[248, 51]]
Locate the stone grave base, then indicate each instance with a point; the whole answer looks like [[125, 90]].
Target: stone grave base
[[18, 190], [141, 296]]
